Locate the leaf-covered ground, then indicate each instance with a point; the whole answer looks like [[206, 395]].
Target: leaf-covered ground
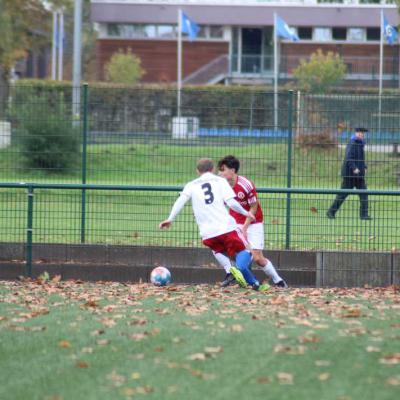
[[75, 340]]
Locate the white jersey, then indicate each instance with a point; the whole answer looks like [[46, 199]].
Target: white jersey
[[209, 193]]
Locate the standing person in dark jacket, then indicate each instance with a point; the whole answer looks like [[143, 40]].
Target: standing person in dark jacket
[[353, 174]]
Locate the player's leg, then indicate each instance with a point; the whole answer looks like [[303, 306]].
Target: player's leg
[[235, 245], [255, 237], [225, 262], [217, 245]]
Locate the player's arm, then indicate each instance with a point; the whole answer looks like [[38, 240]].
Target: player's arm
[[176, 208], [235, 206], [253, 209]]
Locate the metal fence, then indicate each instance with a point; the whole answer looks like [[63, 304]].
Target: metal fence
[[132, 137]]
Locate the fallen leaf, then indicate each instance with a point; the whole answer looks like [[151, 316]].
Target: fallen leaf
[[372, 349], [352, 313], [263, 380], [82, 364], [324, 376], [103, 342], [237, 328], [390, 359], [393, 380], [322, 363], [144, 389], [64, 344], [213, 350], [285, 378], [197, 356]]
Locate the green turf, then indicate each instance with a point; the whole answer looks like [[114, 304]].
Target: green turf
[[174, 164], [113, 341]]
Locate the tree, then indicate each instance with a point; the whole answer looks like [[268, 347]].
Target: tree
[[22, 27], [124, 68], [321, 72]]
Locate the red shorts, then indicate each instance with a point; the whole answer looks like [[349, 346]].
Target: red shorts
[[230, 243]]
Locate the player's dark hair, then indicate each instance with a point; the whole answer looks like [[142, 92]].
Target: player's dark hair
[[229, 161], [205, 165]]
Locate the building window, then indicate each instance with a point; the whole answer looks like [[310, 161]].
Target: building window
[[216, 32], [304, 32], [203, 31], [356, 34], [166, 31], [322, 34], [339, 33], [113, 30], [374, 34]]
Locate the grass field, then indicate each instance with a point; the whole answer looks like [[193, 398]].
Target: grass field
[[72, 340], [164, 163]]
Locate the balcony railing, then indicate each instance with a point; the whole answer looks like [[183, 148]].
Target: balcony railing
[[360, 68]]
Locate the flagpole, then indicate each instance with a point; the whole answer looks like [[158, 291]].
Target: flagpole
[[54, 48], [61, 45], [275, 76], [380, 75], [179, 72]]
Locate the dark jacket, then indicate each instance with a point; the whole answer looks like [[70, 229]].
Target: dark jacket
[[354, 158]]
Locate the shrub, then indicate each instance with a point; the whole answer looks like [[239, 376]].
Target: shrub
[[124, 68], [46, 134], [324, 140], [321, 72]]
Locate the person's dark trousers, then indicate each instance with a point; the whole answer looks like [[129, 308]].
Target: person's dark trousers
[[350, 183]]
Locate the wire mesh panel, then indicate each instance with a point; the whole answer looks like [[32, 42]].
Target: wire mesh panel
[[326, 123], [13, 215], [310, 229], [294, 221], [142, 140], [41, 138], [119, 135]]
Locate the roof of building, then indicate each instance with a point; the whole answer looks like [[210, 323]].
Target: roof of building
[[250, 13]]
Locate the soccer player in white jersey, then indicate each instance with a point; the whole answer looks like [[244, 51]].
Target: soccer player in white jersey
[[246, 195], [209, 193]]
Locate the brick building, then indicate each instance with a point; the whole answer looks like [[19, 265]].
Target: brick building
[[235, 42]]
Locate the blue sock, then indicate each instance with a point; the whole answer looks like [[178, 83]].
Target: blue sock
[[243, 261]]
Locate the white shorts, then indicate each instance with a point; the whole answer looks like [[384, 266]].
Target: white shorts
[[255, 235]]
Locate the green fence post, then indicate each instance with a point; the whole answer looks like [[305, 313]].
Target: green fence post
[[29, 231], [84, 160], [289, 167]]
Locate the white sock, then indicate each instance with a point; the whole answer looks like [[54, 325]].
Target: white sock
[[270, 271], [224, 261]]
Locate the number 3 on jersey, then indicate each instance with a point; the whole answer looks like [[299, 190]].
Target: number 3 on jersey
[[209, 197]]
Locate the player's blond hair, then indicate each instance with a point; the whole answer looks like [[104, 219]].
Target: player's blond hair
[[205, 165]]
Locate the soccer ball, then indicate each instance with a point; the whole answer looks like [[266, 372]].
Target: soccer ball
[[160, 276]]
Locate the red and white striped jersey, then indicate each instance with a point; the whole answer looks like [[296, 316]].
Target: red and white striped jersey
[[246, 195]]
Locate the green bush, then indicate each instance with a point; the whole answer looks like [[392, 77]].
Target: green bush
[[46, 134], [124, 68], [321, 72]]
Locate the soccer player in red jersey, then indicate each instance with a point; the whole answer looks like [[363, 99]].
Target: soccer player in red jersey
[[246, 195]]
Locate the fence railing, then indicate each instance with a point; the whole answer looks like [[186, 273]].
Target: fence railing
[[357, 68], [37, 213]]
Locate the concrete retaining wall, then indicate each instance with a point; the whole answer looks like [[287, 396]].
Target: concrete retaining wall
[[196, 265]]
